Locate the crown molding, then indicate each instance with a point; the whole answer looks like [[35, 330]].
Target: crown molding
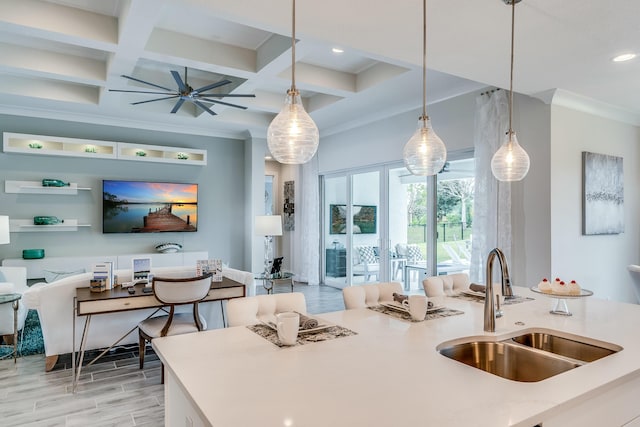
[[564, 98]]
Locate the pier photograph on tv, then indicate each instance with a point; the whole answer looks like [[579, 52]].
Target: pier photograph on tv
[[148, 207]]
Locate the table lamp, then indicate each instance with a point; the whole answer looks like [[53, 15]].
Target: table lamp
[[4, 230], [268, 226]]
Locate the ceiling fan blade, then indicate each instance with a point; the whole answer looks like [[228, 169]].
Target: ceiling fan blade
[[146, 83], [153, 100], [178, 79], [143, 91], [224, 103], [204, 107], [225, 95], [213, 86], [177, 106]]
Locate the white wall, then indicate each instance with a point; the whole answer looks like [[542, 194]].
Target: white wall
[[383, 141], [221, 203], [530, 205], [598, 263]]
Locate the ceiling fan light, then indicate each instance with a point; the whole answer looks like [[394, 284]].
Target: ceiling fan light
[[292, 136], [425, 153], [511, 162]]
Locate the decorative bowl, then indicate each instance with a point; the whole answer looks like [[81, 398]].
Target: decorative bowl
[[167, 248]]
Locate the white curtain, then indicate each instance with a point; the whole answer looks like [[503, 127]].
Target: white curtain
[[305, 247], [492, 199]]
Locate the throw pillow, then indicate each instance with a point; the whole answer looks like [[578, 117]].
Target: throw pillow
[[2, 277], [367, 255], [413, 253], [52, 276]]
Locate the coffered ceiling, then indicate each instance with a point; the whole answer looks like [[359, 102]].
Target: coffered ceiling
[[59, 58]]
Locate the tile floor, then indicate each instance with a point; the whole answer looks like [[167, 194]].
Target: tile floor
[[113, 392]]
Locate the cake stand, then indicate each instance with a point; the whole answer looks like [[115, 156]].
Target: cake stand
[[560, 307]]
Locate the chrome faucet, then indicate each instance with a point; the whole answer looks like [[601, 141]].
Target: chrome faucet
[[507, 291]]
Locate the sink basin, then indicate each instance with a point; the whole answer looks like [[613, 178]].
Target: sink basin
[[530, 356], [564, 346], [508, 360]]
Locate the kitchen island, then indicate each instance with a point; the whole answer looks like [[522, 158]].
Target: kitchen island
[[390, 373]]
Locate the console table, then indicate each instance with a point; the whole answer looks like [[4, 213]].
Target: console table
[[87, 303]]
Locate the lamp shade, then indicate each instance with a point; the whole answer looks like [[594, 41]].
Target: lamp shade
[[292, 136], [4, 230], [425, 153], [268, 225], [510, 162]]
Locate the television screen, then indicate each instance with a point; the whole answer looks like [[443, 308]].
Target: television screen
[[364, 219], [148, 207]]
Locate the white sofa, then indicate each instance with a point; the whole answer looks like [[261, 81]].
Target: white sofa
[[15, 282], [54, 303]]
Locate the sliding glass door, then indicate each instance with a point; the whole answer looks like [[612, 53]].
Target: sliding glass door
[[385, 224], [351, 228]]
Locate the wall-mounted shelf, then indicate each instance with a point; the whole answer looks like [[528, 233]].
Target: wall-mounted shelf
[[157, 153], [35, 187], [57, 146], [27, 225], [73, 147]]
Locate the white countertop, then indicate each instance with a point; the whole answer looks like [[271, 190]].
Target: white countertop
[[390, 374]]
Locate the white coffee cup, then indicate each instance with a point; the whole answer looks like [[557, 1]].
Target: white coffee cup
[[287, 325], [417, 306]]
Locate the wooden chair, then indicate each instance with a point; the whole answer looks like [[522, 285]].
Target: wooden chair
[[173, 292]]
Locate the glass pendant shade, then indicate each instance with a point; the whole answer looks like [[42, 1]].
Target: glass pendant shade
[[425, 153], [510, 162], [292, 136]]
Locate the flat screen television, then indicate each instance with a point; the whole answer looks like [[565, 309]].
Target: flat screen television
[[364, 219], [149, 207]]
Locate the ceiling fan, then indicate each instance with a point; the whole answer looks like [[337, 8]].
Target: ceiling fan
[[186, 93]]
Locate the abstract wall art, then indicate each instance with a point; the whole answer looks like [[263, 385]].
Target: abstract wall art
[[602, 195]]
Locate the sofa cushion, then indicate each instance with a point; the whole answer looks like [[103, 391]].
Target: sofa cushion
[[52, 276]]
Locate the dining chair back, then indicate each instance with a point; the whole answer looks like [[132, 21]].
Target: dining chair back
[[362, 296], [251, 310], [445, 285], [173, 292]]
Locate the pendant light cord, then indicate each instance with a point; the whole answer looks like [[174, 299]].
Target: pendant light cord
[[424, 62], [513, 15], [293, 47]]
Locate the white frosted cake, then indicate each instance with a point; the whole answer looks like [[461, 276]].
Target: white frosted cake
[[559, 287], [574, 288], [544, 286]]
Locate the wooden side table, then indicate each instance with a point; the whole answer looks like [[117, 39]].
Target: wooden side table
[[14, 300]]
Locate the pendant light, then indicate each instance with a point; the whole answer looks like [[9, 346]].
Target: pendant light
[[292, 136], [510, 162], [425, 153]]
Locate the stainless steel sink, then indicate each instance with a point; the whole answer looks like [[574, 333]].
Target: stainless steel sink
[[528, 357], [564, 346], [507, 360]]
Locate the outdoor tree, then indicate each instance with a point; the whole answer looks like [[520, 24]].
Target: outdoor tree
[[417, 204], [460, 190]]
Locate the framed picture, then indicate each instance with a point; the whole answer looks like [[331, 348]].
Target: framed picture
[[602, 194], [364, 219], [141, 268]]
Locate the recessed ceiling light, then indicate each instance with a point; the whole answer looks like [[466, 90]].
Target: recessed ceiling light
[[337, 50], [624, 57]]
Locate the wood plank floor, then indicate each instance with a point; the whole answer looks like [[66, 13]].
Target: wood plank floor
[[113, 392]]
